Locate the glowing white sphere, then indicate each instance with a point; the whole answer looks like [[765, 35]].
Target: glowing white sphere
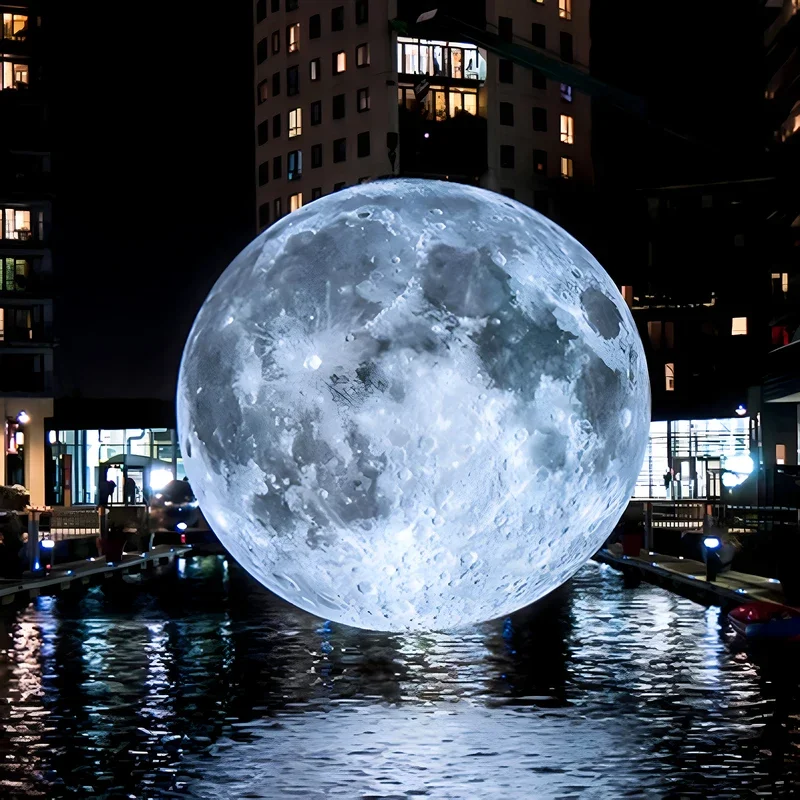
[[413, 405]]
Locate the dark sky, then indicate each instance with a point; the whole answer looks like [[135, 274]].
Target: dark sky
[[155, 195]]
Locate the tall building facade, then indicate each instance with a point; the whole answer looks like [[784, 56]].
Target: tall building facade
[[26, 264], [343, 97]]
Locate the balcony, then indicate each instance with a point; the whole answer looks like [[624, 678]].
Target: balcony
[[21, 228], [15, 34]]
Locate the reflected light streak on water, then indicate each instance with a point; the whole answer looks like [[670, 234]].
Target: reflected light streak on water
[[207, 687]]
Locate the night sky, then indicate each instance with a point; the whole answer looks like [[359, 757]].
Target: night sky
[[155, 191], [154, 157]]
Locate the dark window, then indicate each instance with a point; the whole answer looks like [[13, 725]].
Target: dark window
[[538, 35], [338, 106], [276, 42], [261, 51], [506, 113], [507, 156], [316, 193], [277, 168], [362, 55], [263, 215], [337, 18], [540, 162], [314, 27], [505, 27], [363, 144], [362, 99], [539, 119], [263, 91], [314, 70], [539, 80], [566, 47], [339, 150], [261, 10], [506, 70], [362, 11], [316, 112], [294, 165], [316, 156], [291, 5], [278, 213], [276, 84], [508, 193], [263, 173], [292, 80], [263, 132], [276, 126], [337, 187], [276, 5]]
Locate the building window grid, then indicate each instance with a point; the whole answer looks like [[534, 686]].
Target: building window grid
[[314, 26], [362, 12], [339, 150], [435, 58], [314, 69], [337, 18], [739, 326], [316, 156], [316, 112], [294, 165], [276, 42], [363, 145], [263, 91], [293, 81]]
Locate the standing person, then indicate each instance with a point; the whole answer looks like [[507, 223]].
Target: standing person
[[130, 491], [110, 487], [668, 483]]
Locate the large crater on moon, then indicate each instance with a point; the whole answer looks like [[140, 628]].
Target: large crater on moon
[[413, 405]]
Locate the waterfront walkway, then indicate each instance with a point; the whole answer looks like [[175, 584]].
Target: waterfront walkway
[[687, 576], [75, 574]]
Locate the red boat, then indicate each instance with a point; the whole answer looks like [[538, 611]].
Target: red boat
[[766, 621]]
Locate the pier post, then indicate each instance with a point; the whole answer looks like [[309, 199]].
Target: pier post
[[648, 527], [33, 540]]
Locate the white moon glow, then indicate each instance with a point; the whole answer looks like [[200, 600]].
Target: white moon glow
[[413, 405]]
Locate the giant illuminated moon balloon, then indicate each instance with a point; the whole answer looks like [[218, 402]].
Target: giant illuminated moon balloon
[[413, 405]]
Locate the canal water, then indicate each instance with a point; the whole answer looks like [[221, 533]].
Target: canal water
[[205, 686]]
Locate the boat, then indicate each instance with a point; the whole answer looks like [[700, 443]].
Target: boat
[[762, 621]]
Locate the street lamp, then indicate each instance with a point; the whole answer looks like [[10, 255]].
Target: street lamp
[[713, 562], [23, 418], [741, 410]]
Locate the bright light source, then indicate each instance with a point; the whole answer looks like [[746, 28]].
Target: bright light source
[[159, 478], [712, 542], [36, 566], [741, 410], [52, 437], [181, 526], [427, 136], [23, 418], [48, 544]]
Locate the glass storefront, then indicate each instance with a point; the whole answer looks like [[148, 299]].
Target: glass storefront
[[694, 453], [85, 463]]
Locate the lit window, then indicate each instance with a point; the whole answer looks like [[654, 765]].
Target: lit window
[[669, 375], [314, 70], [567, 129], [627, 294], [277, 206], [294, 165], [295, 201], [15, 75], [2, 324], [15, 26], [780, 453], [14, 274], [362, 98], [16, 223], [566, 167], [295, 122], [566, 93], [263, 91], [276, 42], [739, 326], [362, 55], [780, 282], [339, 62], [293, 37], [565, 9]]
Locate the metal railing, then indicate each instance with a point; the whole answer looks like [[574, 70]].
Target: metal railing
[[68, 523]]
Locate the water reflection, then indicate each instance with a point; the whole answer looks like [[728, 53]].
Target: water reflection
[[205, 686]]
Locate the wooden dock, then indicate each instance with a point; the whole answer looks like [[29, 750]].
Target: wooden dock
[[688, 577], [89, 571]]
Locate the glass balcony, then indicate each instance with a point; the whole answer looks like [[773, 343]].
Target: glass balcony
[[454, 60]]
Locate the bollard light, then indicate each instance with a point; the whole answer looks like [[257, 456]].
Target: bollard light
[[181, 526], [711, 542], [48, 544], [713, 563]]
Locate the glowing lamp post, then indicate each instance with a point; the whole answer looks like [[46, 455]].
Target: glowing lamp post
[[712, 545]]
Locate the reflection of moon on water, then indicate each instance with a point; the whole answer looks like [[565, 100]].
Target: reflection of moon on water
[[413, 405]]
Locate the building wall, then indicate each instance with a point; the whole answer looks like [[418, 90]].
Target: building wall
[[381, 77], [38, 408]]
